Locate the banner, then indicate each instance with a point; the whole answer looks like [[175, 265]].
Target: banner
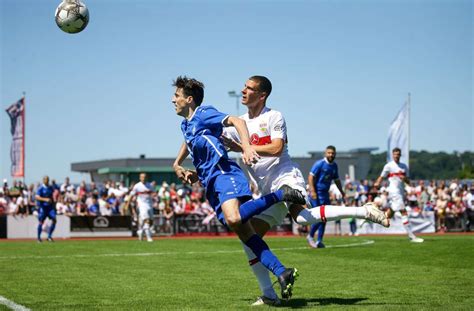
[[16, 112], [419, 223], [101, 223], [398, 135]]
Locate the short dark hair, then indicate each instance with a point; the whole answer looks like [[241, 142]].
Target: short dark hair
[[331, 147], [264, 84], [191, 87], [396, 149]]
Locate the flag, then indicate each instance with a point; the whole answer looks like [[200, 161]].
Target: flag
[[16, 112], [398, 135]]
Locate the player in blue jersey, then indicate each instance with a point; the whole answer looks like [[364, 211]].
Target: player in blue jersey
[[227, 188], [44, 199], [320, 177]]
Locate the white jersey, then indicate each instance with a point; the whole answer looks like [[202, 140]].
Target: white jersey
[[396, 173], [143, 194], [269, 125], [271, 173]]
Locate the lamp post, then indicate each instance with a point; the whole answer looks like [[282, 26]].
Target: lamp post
[[237, 99], [237, 104]]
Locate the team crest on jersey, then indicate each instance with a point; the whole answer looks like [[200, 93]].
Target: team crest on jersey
[[254, 139]]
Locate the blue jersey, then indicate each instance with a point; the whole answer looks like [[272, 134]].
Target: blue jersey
[[201, 133], [324, 173], [45, 192]]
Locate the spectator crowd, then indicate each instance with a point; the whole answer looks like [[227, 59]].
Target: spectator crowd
[[451, 201]]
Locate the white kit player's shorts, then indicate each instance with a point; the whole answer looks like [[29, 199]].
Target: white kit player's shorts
[[397, 202], [145, 212], [293, 178]]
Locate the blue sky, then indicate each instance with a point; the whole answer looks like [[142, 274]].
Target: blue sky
[[341, 70]]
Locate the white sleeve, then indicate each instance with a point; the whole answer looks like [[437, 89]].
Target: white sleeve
[[385, 171], [231, 132], [277, 126], [134, 190]]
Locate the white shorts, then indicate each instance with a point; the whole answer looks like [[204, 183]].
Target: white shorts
[[397, 202], [293, 178], [145, 212]]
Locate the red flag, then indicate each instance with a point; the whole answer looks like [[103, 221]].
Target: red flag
[[16, 112]]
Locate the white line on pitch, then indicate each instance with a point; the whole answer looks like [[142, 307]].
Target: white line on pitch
[[367, 242], [10, 304]]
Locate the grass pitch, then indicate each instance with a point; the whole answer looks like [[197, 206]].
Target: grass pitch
[[355, 273]]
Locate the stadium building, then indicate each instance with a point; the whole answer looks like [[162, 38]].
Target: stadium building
[[355, 163]]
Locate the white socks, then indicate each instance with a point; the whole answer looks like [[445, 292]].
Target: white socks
[[406, 224], [261, 273], [326, 213], [146, 228]]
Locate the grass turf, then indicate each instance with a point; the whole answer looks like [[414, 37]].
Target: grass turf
[[213, 274]]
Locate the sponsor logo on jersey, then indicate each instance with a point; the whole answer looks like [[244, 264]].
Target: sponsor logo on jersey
[[257, 140]]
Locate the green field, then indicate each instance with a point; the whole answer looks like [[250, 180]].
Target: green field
[[353, 273]]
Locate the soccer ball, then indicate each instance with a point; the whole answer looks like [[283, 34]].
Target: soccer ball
[[72, 16]]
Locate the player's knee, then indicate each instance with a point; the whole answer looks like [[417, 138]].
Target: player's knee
[[233, 222]]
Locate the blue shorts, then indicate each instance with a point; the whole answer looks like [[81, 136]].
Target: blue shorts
[[228, 182], [44, 212], [322, 199]]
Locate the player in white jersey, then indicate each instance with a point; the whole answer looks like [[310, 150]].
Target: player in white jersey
[[397, 174], [142, 192], [267, 129]]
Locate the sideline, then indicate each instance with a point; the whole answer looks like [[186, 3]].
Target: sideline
[[10, 304], [366, 242]]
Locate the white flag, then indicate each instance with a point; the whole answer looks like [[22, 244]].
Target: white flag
[[17, 129], [398, 135]]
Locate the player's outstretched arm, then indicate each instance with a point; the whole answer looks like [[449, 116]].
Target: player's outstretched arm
[[249, 154], [312, 188], [378, 182], [182, 154], [339, 186]]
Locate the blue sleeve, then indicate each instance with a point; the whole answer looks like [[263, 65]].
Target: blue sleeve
[[211, 117], [315, 170], [38, 192]]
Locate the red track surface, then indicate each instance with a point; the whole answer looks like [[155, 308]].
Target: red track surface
[[224, 236]]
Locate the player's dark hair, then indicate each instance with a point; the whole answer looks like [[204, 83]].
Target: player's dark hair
[[331, 147], [264, 84], [190, 87], [396, 149]]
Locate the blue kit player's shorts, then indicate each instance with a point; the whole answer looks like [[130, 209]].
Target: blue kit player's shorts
[[46, 212], [322, 199], [227, 182]]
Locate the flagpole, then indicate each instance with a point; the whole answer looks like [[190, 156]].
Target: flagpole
[[24, 138], [409, 121]]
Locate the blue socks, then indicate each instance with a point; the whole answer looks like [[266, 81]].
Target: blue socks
[[265, 255], [320, 227], [254, 207], [51, 229], [40, 228]]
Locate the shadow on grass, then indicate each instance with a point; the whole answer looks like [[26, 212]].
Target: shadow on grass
[[312, 302]]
